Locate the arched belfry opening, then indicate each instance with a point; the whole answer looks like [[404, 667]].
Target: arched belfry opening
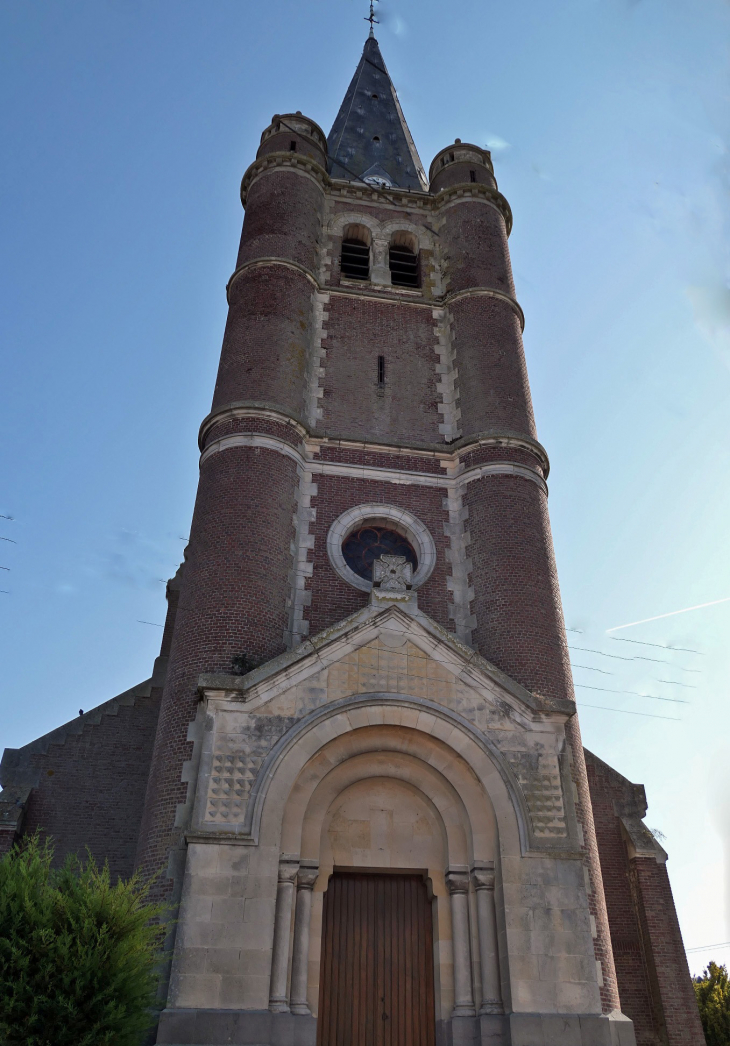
[[403, 260], [355, 253]]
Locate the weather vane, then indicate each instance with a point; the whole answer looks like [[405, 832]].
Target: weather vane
[[371, 17]]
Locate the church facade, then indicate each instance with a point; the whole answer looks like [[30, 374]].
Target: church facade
[[357, 768]]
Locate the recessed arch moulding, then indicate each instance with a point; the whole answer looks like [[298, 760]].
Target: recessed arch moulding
[[379, 235], [384, 745]]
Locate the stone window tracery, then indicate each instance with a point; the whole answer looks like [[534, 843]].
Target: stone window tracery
[[366, 532], [362, 547]]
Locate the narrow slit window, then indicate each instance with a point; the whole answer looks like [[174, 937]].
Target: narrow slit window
[[403, 266], [472, 176], [355, 259], [381, 370], [292, 147]]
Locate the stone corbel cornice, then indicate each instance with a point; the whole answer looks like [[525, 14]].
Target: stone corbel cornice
[[392, 196], [457, 193], [252, 409], [393, 298], [294, 161], [490, 292], [264, 262], [445, 453]]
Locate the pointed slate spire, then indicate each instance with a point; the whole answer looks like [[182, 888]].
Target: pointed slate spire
[[370, 139]]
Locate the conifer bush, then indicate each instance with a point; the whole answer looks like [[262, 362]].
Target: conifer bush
[[713, 998], [77, 953]]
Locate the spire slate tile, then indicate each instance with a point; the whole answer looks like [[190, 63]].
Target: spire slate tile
[[370, 140]]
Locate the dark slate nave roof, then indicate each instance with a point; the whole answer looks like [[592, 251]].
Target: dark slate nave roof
[[370, 137]]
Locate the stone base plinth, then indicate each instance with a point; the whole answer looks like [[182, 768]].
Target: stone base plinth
[[202, 1027]]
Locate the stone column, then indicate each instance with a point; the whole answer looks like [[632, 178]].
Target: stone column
[[306, 879], [483, 880], [380, 269], [457, 884], [278, 996]]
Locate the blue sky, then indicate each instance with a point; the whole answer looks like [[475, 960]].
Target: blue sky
[[127, 125]]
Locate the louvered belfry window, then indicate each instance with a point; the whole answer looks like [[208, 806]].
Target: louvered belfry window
[[355, 260], [403, 266]]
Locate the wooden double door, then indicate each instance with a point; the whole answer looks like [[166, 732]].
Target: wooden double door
[[376, 975]]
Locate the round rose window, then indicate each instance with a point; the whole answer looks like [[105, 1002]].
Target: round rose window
[[363, 546]]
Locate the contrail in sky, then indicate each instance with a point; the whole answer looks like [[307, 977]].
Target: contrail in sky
[[672, 613]]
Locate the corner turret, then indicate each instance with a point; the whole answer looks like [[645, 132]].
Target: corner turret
[[461, 164]]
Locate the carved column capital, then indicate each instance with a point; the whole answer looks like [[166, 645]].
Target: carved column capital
[[288, 868], [457, 882], [307, 876], [482, 876]]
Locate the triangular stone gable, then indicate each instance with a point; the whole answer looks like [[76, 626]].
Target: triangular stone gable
[[393, 650], [389, 651]]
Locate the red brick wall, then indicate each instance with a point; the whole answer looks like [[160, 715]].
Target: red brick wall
[[459, 173], [667, 960], [233, 601], [651, 967], [493, 387], [473, 239], [636, 1000], [406, 407], [267, 339], [283, 218], [230, 425], [281, 142], [602, 949], [332, 598], [91, 788], [516, 595]]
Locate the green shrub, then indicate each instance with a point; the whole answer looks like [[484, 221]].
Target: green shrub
[[77, 953], [713, 998]]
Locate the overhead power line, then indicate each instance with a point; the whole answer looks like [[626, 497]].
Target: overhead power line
[[626, 711], [662, 646], [634, 693]]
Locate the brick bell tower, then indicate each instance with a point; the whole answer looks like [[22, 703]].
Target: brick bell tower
[[372, 401]]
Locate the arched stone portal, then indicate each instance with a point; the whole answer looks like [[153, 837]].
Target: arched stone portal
[[385, 748], [391, 797]]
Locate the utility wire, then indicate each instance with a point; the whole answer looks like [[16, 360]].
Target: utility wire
[[662, 646], [590, 650], [634, 693], [626, 711]]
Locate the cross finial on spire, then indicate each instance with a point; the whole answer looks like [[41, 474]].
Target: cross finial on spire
[[371, 17]]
